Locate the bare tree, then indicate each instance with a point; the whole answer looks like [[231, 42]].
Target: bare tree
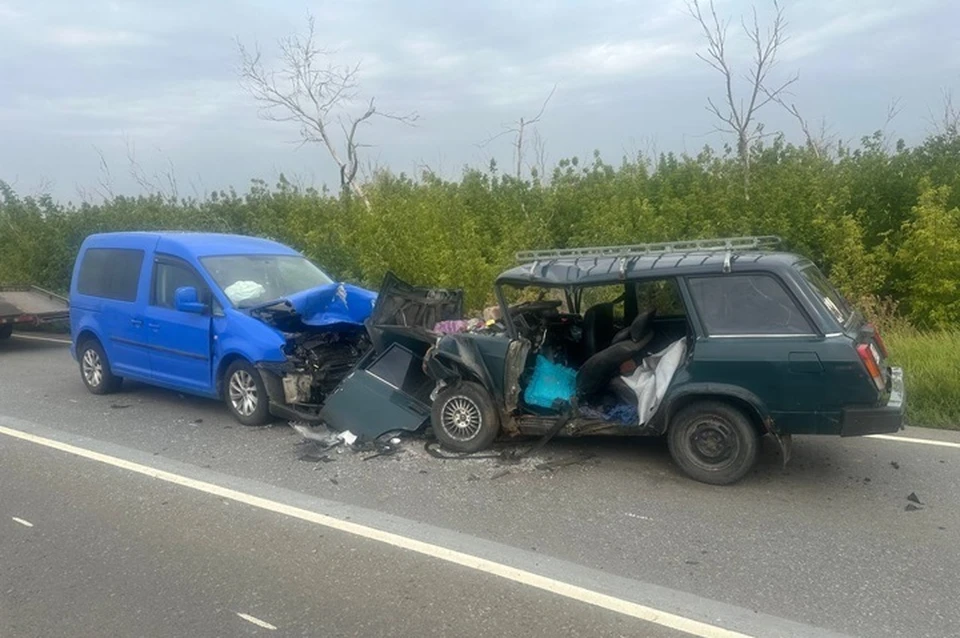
[[311, 90], [820, 139], [519, 129], [947, 122], [105, 179], [539, 163], [738, 113], [170, 191]]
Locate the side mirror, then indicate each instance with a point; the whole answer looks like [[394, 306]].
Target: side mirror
[[187, 300]]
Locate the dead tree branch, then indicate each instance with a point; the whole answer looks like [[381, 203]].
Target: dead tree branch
[[947, 122], [519, 129], [737, 114], [312, 91]]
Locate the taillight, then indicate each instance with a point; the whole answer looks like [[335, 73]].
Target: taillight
[[869, 357], [879, 340]]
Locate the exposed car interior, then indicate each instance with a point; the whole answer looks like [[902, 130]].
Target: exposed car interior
[[587, 343]]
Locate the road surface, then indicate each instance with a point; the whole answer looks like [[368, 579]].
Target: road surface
[[826, 545]]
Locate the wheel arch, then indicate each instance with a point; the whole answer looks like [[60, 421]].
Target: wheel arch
[[222, 367], [744, 400]]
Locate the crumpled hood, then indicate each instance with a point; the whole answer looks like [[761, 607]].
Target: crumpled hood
[[332, 305]]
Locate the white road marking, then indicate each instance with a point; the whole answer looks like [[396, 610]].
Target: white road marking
[[907, 439], [523, 577], [33, 338], [256, 621], [21, 521]]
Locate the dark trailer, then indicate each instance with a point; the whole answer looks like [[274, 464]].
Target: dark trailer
[[25, 305]]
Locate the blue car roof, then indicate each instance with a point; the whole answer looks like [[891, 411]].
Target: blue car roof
[[195, 244]]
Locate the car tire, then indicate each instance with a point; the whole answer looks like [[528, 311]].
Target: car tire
[[6, 331], [713, 442], [464, 418], [246, 395], [95, 368]]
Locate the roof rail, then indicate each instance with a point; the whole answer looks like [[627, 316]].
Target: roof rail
[[759, 242]]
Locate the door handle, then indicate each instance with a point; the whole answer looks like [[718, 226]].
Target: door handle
[[137, 322], [153, 326]]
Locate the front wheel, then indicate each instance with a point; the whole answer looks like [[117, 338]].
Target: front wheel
[[464, 418], [713, 442], [245, 394]]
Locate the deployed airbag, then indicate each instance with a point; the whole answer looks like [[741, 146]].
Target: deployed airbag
[[650, 381]]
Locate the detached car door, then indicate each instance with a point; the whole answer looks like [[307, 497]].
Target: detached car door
[[180, 342], [754, 335]]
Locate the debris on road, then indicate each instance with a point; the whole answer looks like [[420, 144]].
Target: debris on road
[[894, 465], [552, 465], [913, 498], [912, 508], [120, 406]]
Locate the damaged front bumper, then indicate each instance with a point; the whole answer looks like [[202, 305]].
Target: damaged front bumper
[[285, 404]]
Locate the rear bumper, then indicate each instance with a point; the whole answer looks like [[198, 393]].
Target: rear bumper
[[882, 420]]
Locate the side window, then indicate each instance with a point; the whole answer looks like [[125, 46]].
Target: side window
[[746, 305], [662, 295], [111, 273], [167, 277], [613, 295]]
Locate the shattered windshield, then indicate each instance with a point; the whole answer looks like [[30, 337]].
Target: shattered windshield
[[252, 280]]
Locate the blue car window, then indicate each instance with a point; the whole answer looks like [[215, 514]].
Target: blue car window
[[167, 277], [111, 273]]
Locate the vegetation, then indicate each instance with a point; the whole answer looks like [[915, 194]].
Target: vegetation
[[882, 219], [929, 361]]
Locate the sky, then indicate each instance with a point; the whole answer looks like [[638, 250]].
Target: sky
[[91, 88]]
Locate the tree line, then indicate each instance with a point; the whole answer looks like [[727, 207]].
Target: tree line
[[882, 218]]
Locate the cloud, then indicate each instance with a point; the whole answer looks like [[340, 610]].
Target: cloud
[[8, 14], [629, 57], [87, 37], [163, 73], [844, 27]]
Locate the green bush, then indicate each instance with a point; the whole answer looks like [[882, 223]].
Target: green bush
[[929, 361]]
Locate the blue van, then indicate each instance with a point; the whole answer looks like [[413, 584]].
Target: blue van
[[244, 319]]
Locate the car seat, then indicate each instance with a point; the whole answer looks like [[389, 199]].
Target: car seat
[[594, 375], [598, 329]]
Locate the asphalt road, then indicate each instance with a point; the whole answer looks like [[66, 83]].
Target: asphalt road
[[826, 543]]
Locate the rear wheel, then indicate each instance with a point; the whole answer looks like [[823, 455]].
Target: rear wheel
[[6, 331], [245, 394], [713, 442], [464, 418], [95, 368]]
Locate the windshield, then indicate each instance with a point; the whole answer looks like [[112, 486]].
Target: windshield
[[830, 296], [252, 280]]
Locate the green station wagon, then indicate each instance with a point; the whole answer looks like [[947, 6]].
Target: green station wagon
[[711, 343]]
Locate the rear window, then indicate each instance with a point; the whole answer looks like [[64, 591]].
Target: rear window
[[746, 305], [111, 273], [829, 295]]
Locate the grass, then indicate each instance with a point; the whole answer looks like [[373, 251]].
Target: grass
[[931, 368]]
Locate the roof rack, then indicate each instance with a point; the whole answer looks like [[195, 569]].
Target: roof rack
[[730, 244]]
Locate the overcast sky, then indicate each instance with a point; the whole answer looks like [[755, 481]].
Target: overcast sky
[[159, 77]]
